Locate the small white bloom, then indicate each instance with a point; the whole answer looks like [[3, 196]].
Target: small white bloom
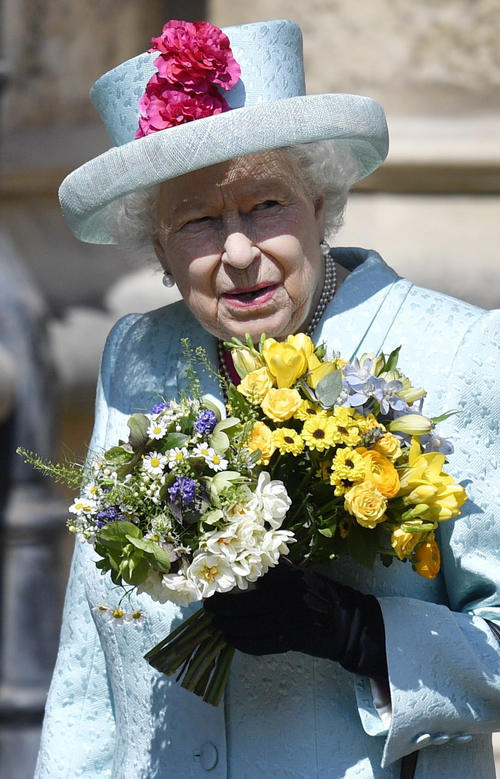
[[83, 506], [92, 491], [176, 456], [154, 464], [214, 461], [157, 429]]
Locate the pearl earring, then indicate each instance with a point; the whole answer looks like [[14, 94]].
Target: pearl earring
[[168, 279]]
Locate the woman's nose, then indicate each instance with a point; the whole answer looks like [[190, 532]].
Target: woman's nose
[[238, 250]]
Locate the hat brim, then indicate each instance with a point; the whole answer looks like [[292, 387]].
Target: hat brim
[[352, 120]]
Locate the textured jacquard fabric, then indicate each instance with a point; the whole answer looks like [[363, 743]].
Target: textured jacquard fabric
[[292, 715]]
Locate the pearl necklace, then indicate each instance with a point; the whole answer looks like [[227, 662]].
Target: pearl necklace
[[327, 294]]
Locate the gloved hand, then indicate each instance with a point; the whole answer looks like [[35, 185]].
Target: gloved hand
[[295, 608]]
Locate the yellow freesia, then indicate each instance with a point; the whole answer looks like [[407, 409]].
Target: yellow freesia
[[285, 362], [245, 361], [426, 484], [302, 343]]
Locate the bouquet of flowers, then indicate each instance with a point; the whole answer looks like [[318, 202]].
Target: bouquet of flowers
[[315, 458]]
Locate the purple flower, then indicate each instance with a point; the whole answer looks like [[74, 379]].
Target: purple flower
[[159, 407], [110, 514], [205, 422], [182, 490]]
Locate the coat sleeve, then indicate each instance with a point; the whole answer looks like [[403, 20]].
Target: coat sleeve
[[78, 730], [444, 663]]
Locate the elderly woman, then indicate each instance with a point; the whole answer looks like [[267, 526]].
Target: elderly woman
[[357, 672]]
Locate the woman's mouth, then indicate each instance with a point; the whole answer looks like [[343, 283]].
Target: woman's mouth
[[252, 297]]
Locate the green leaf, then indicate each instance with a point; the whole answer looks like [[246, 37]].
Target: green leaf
[[226, 423], [392, 360], [173, 440], [159, 557], [219, 441], [116, 534], [444, 416], [138, 425], [117, 456], [329, 388], [326, 531]]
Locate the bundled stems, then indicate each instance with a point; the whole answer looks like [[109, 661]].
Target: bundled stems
[[199, 650]]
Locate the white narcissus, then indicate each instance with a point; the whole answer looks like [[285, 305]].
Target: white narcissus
[[271, 500]]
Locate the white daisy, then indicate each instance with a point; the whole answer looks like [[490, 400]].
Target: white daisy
[[154, 463], [83, 506], [176, 456], [212, 459], [157, 428]]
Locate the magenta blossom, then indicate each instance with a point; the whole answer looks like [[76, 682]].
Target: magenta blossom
[[195, 53], [195, 58]]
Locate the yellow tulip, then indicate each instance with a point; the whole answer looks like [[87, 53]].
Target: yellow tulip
[[285, 362]]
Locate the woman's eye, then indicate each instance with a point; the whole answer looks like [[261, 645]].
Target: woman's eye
[[266, 204], [199, 220]]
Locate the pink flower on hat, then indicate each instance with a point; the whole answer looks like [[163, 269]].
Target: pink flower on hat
[[195, 52], [195, 58], [163, 106]]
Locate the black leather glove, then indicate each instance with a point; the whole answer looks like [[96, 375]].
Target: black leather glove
[[295, 608]]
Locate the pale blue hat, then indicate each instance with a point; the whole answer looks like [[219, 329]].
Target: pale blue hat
[[271, 110]]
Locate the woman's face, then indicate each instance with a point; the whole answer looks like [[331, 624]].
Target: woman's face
[[241, 240]]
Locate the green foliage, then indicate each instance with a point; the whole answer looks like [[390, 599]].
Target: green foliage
[[391, 361], [127, 555], [329, 389], [68, 473], [138, 425]]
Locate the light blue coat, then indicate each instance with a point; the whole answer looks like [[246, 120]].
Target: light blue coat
[[109, 714]]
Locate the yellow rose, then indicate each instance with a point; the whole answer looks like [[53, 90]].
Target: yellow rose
[[427, 560], [285, 362], [281, 404], [389, 446], [366, 504], [256, 385], [261, 438], [403, 542], [381, 472]]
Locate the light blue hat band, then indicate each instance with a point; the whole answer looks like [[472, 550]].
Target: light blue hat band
[[271, 110]]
